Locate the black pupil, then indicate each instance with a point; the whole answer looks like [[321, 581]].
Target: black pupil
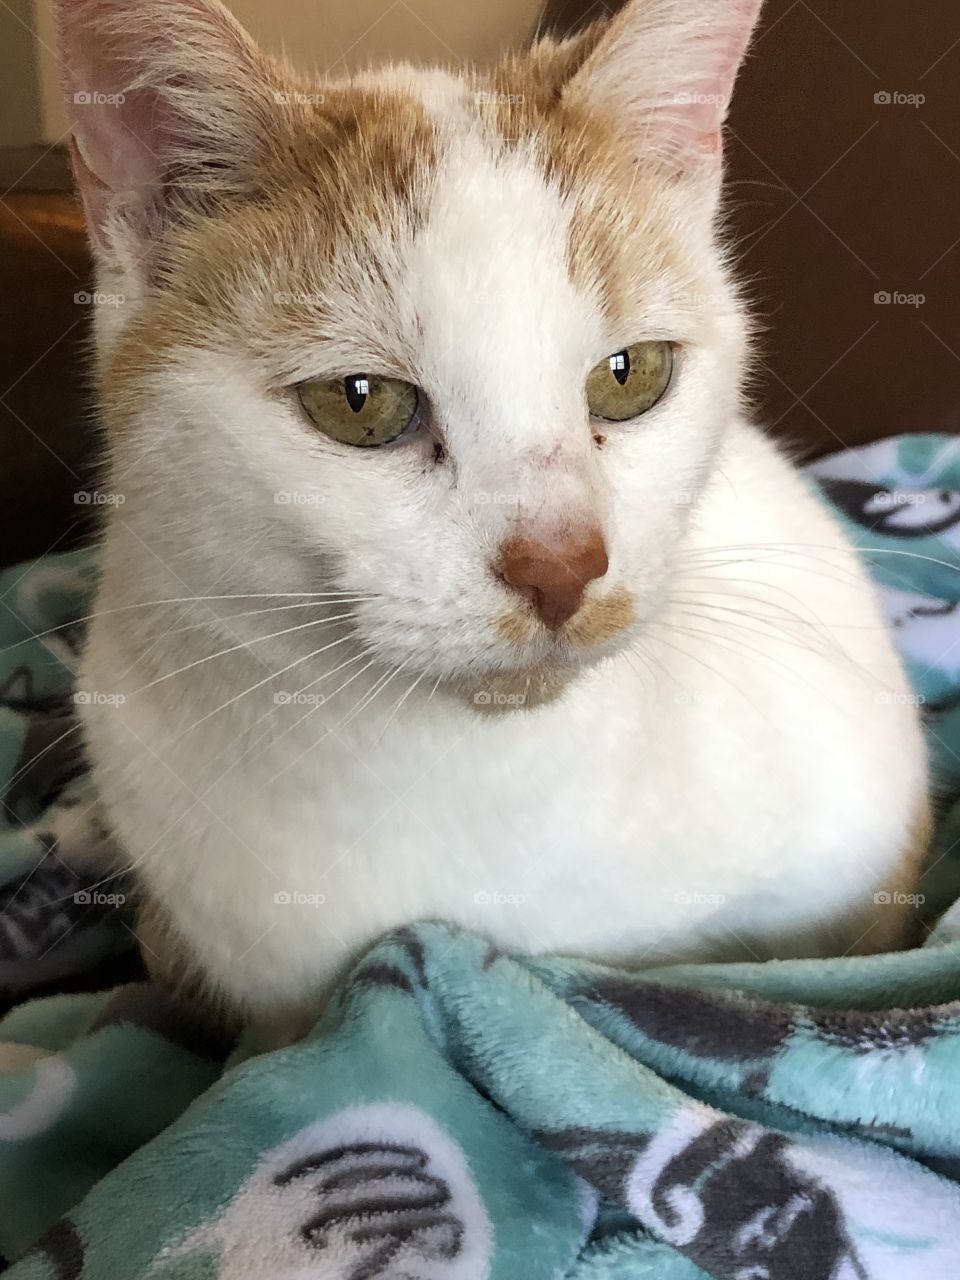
[[620, 366], [357, 388]]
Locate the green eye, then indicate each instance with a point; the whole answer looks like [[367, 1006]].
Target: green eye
[[361, 409], [630, 382]]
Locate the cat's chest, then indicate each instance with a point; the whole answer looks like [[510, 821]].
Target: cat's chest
[[457, 781]]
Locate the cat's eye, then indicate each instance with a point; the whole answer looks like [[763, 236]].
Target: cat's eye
[[630, 382], [362, 409]]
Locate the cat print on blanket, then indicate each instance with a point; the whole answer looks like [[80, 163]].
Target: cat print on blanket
[[373, 1193]]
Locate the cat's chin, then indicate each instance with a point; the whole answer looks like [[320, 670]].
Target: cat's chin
[[500, 692]]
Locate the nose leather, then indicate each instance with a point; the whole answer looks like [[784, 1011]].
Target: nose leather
[[553, 576]]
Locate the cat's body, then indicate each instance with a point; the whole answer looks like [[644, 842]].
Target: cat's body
[[745, 788], [613, 688]]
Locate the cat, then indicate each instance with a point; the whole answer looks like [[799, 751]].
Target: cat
[[451, 579]]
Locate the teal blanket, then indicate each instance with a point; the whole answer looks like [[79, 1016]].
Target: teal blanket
[[459, 1114]]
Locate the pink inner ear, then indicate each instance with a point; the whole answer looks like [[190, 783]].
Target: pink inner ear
[[666, 68], [704, 115], [115, 165], [114, 144], [716, 91], [117, 138], [125, 139]]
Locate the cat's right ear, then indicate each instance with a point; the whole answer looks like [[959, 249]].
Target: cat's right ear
[[165, 99], [662, 72]]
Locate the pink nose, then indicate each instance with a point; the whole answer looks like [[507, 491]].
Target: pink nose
[[554, 577]]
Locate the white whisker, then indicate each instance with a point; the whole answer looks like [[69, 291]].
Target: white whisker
[[243, 645], [332, 597], [260, 683], [396, 710]]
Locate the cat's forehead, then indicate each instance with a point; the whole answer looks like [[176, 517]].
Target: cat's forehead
[[412, 206], [410, 145]]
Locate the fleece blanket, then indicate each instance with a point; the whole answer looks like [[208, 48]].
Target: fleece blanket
[[459, 1114]]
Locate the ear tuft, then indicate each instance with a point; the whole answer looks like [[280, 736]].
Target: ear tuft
[[664, 71]]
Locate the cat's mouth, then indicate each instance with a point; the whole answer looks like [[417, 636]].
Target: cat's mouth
[[598, 621], [569, 651]]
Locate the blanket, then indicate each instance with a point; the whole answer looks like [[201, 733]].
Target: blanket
[[461, 1114]]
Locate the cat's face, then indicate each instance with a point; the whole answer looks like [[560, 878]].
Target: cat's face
[[460, 345]]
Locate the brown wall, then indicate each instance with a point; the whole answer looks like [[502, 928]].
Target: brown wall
[[21, 114], [836, 198], [859, 198]]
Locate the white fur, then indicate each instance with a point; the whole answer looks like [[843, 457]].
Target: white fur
[[736, 773]]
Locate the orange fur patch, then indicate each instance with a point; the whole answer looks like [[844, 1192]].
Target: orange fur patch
[[601, 619], [248, 268], [518, 626]]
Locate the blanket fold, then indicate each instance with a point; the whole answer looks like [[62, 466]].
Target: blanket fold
[[461, 1114]]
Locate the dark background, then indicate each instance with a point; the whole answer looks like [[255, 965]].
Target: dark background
[[833, 199]]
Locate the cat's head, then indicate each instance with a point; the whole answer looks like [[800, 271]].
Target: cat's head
[[460, 343]]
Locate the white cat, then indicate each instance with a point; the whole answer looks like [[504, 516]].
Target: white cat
[[450, 580]]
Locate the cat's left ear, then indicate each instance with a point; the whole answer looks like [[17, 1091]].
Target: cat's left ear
[[169, 101], [663, 73]]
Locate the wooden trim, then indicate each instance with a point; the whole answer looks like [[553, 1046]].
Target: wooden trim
[[35, 168]]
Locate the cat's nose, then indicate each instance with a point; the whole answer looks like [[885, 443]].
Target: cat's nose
[[554, 576]]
